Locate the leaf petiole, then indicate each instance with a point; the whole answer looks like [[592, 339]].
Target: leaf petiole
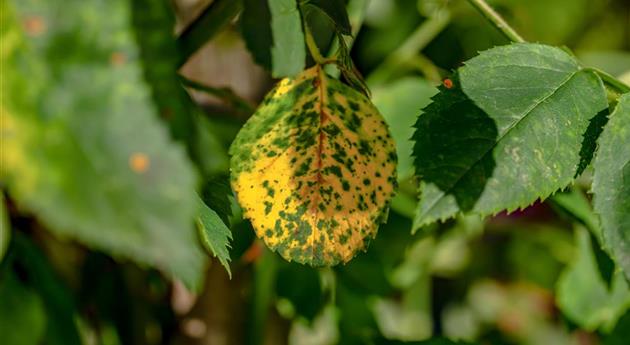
[[610, 81]]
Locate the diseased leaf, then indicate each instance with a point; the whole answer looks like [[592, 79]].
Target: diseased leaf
[[215, 235], [518, 142], [288, 53], [611, 184], [584, 297], [82, 147], [314, 169]]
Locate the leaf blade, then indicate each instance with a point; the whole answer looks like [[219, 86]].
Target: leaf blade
[[538, 102], [611, 183], [115, 172], [314, 169], [215, 235], [288, 53]]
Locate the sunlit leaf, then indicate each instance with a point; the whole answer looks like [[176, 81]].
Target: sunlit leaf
[[611, 184], [532, 105], [314, 169], [82, 146]]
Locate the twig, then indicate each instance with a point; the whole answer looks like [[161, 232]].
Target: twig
[[496, 20], [224, 93]]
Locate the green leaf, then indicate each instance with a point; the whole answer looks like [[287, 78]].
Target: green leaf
[[34, 270], [22, 313], [215, 236], [5, 227], [399, 102], [575, 203], [611, 184], [582, 294], [336, 12], [213, 18], [153, 23], [288, 53], [518, 142], [256, 30], [314, 169], [82, 146], [216, 194]]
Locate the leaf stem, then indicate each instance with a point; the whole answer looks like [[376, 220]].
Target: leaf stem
[[493, 17], [313, 49], [610, 81], [224, 93]]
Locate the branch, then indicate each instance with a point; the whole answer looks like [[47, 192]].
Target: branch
[[493, 17]]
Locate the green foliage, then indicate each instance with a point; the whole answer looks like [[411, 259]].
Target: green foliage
[[116, 184], [532, 105], [22, 314], [105, 170], [583, 295], [394, 101], [336, 12], [215, 236], [611, 183], [288, 53], [5, 229]]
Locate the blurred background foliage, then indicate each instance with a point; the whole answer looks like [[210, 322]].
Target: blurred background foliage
[[537, 276]]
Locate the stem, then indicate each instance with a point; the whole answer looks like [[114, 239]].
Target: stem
[[312, 47], [225, 94], [408, 51], [610, 81], [496, 20], [513, 36]]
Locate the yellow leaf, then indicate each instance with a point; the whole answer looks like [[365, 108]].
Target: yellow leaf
[[314, 169]]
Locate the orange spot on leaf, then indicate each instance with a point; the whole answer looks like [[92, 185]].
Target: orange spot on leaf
[[139, 162], [448, 83], [117, 58], [34, 25]]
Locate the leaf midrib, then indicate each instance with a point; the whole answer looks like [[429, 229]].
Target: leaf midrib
[[499, 139]]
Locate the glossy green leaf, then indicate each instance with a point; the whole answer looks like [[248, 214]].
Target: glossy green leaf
[[215, 235], [79, 109], [611, 184], [288, 53], [314, 169], [514, 134], [582, 294]]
